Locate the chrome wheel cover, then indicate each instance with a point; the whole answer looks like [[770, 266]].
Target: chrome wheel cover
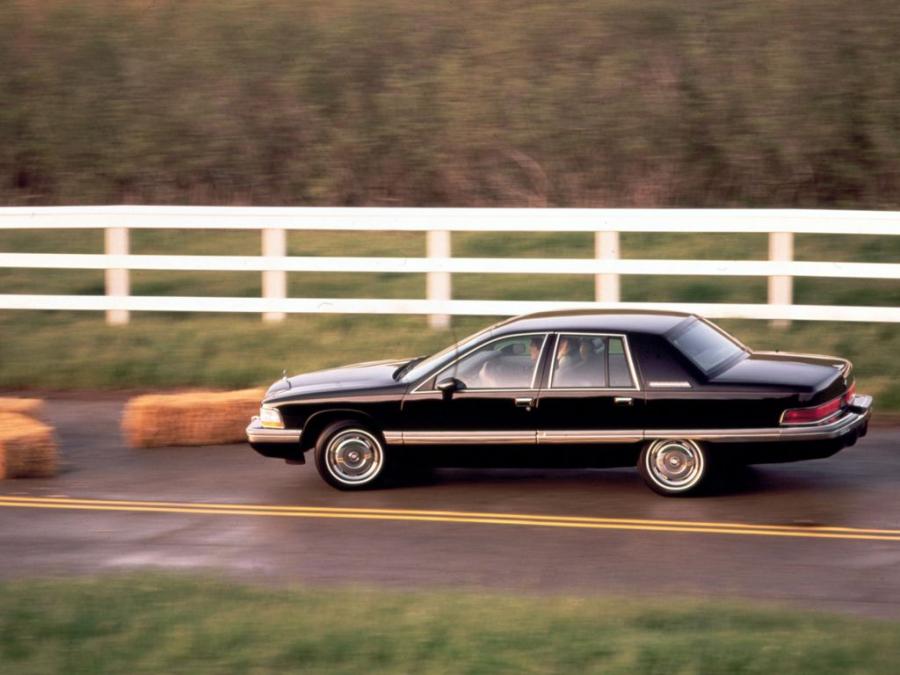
[[675, 465], [354, 456]]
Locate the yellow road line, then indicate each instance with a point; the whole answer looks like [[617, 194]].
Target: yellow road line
[[445, 517], [463, 514]]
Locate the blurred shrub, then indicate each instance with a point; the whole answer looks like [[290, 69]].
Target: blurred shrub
[[476, 102]]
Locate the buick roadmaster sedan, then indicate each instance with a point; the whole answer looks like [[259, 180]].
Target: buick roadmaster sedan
[[670, 393]]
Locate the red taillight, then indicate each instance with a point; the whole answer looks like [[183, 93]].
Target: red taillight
[[816, 414], [850, 393]]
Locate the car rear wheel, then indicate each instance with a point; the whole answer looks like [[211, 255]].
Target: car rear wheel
[[673, 466], [350, 456]]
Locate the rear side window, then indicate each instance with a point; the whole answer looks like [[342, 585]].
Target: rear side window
[[590, 362], [706, 347], [619, 373]]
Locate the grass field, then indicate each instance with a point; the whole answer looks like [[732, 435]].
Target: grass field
[[173, 625], [68, 350]]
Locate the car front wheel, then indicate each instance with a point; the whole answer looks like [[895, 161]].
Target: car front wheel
[[673, 466], [350, 456]]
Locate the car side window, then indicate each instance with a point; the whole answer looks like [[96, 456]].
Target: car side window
[[509, 363], [591, 362], [619, 372]]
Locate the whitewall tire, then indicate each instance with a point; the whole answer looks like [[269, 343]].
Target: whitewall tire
[[673, 466], [350, 456]]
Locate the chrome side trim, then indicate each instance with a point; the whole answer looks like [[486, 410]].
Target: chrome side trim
[[469, 390], [836, 429], [469, 437], [589, 436], [393, 437], [256, 433], [823, 432], [718, 435], [670, 385]]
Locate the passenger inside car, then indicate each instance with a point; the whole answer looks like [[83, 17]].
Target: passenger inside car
[[592, 369], [582, 363], [566, 354], [534, 349]]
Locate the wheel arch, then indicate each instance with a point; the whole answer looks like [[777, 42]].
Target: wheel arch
[[318, 421]]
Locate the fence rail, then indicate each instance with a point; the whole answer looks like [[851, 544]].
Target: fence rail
[[607, 266], [796, 221], [214, 263]]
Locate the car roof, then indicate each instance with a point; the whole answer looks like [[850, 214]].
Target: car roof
[[616, 320]]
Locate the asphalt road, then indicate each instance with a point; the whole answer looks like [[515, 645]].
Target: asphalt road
[[822, 534]]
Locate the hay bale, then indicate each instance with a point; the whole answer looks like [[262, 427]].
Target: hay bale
[[195, 418], [32, 407], [27, 447]]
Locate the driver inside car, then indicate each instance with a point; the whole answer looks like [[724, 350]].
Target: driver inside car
[[510, 369], [566, 354]]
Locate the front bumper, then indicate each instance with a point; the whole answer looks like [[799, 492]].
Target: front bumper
[[283, 443]]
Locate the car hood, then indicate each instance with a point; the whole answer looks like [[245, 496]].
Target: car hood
[[809, 373], [369, 375]]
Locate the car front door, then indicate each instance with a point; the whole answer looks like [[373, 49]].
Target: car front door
[[484, 398], [591, 394]]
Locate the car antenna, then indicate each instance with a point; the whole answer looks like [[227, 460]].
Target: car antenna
[[285, 377]]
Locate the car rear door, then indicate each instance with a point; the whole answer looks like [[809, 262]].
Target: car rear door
[[591, 392]]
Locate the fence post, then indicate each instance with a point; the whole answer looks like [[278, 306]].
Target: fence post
[[274, 282], [606, 247], [781, 288], [117, 280], [438, 284]]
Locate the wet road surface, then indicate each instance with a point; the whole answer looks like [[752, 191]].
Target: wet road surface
[[822, 534]]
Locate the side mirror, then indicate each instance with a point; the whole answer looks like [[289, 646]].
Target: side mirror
[[449, 385]]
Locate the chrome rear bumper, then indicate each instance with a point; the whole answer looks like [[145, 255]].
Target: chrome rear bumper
[[854, 421]]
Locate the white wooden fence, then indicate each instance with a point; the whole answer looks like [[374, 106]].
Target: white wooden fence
[[439, 265]]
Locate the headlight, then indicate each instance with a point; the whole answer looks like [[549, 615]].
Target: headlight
[[270, 418]]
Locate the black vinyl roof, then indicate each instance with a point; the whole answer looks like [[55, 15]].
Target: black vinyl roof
[[620, 321]]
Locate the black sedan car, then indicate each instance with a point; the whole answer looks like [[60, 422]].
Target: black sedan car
[[670, 393]]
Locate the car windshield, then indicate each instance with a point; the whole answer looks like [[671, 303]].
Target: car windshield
[[444, 356], [706, 347]]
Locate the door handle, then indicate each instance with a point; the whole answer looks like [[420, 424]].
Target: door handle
[[624, 400], [527, 403]]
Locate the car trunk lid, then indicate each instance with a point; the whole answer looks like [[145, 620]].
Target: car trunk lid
[[807, 373]]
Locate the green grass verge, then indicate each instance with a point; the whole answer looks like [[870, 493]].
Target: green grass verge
[[46, 350], [171, 625]]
